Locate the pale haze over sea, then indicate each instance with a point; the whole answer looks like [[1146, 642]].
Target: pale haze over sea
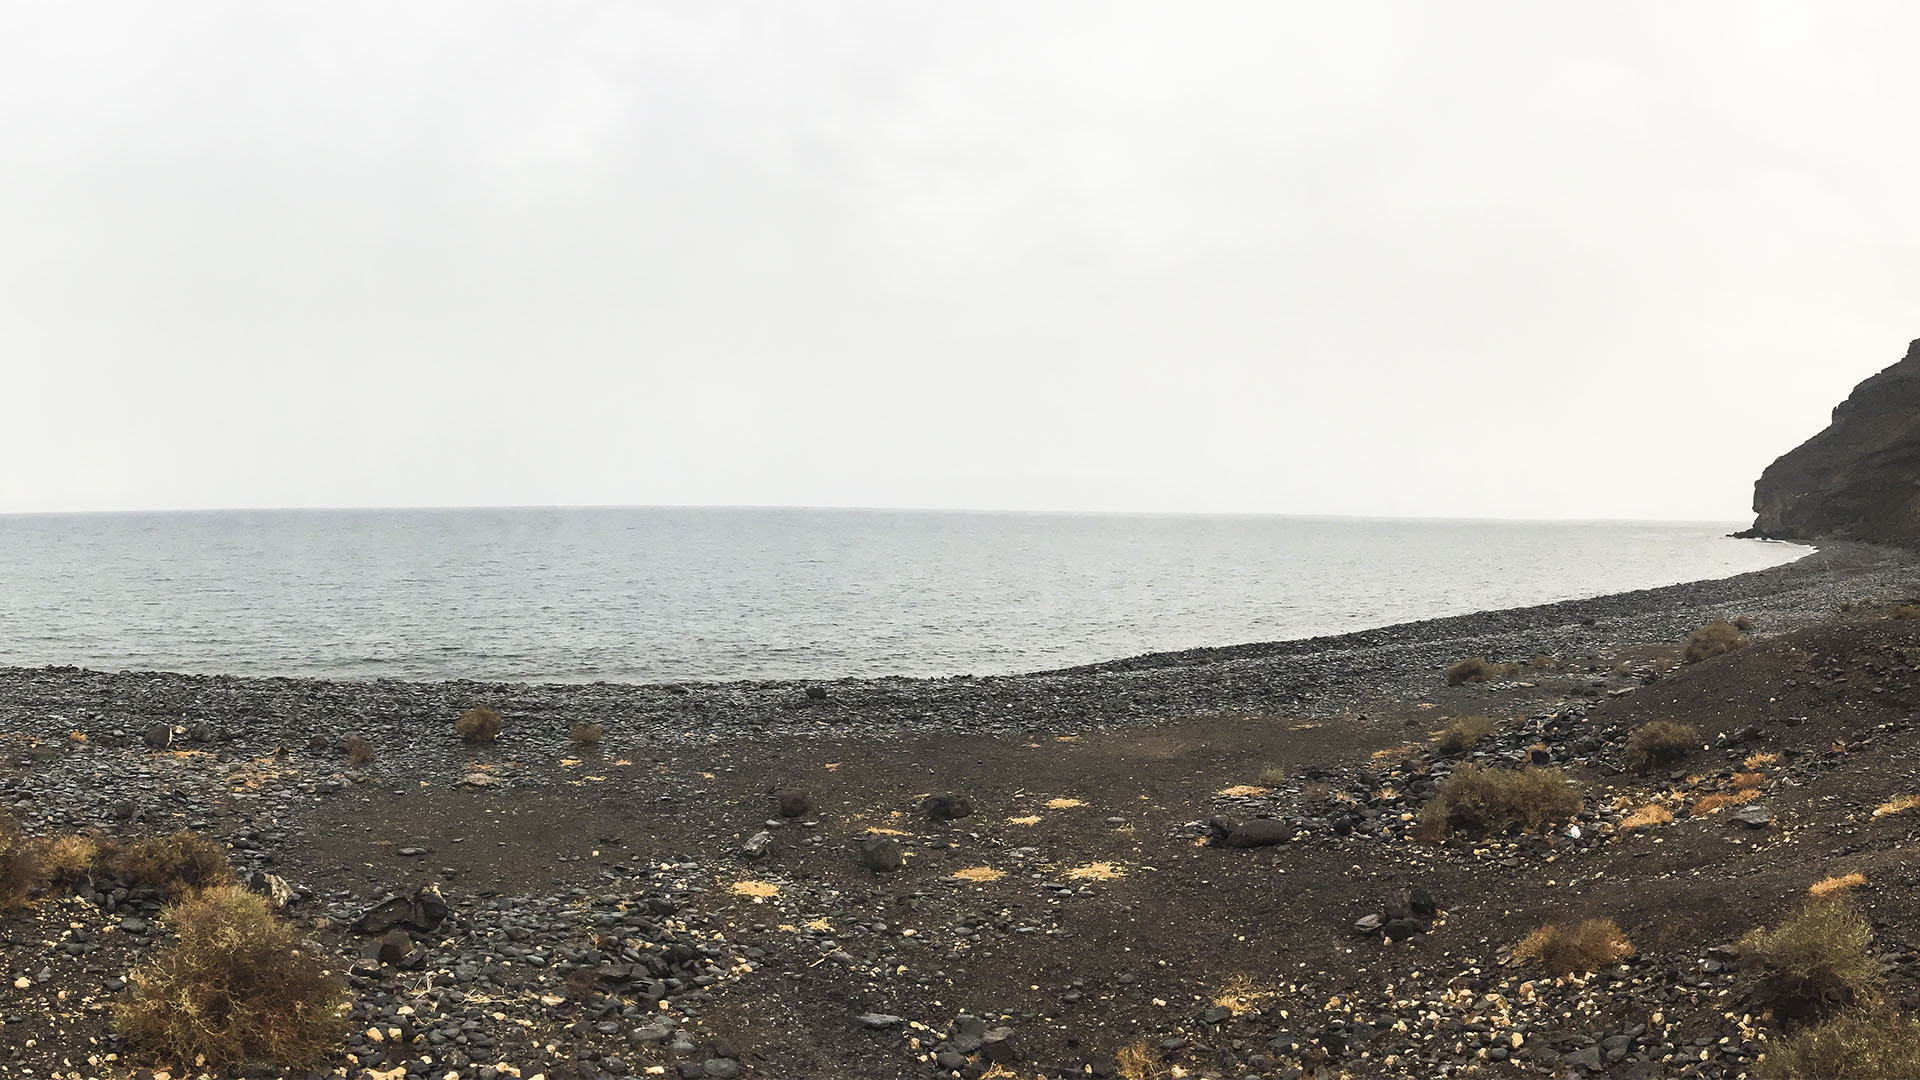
[[714, 594]]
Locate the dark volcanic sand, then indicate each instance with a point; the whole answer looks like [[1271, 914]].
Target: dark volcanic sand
[[600, 926]]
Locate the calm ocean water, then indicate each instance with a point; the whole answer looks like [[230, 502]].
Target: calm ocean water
[[673, 594]]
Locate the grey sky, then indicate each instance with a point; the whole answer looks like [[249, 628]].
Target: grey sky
[[1464, 259]]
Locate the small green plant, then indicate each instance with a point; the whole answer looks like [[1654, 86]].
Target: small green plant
[[1566, 948], [1659, 743], [1498, 801], [172, 866], [1463, 732], [1855, 1044], [479, 724], [1816, 961], [1274, 776], [1717, 638], [233, 986]]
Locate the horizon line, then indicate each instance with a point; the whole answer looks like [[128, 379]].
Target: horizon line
[[456, 507]]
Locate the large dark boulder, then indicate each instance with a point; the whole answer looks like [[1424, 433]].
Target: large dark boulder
[[1860, 478]]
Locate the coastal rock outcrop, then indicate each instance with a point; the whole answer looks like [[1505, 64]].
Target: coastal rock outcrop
[[1860, 478]]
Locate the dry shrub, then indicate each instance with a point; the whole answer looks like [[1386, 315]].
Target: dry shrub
[[1713, 804], [1477, 669], [1747, 781], [1463, 732], [1274, 776], [1499, 800], [1836, 884], [1744, 624], [359, 750], [1566, 948], [233, 986], [587, 734], [1543, 662], [20, 872], [1853, 1045], [1717, 638], [1818, 959], [1647, 817], [1659, 743], [73, 858], [479, 724], [172, 866], [1899, 804], [1136, 1061], [1906, 611], [1757, 761]]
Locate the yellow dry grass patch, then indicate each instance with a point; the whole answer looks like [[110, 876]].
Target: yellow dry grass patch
[[1393, 753], [1241, 791], [1713, 804], [883, 831], [257, 772], [1899, 804], [1568, 948], [1063, 804], [759, 890], [1747, 781], [1307, 726], [568, 763], [1837, 884], [1755, 761], [1137, 1061], [1646, 817], [820, 926], [1238, 995], [1030, 819], [76, 736], [979, 875], [1097, 871]]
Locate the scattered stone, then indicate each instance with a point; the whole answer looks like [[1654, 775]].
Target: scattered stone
[[273, 887], [1258, 833], [997, 1046], [881, 854], [947, 807], [793, 803]]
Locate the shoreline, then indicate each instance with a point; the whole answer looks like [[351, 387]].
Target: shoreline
[[1853, 557]]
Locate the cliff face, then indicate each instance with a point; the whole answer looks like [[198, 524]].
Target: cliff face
[[1860, 478]]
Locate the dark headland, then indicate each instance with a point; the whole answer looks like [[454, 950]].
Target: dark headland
[[1316, 858]]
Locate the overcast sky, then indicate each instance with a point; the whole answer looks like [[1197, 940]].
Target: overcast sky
[[1464, 259]]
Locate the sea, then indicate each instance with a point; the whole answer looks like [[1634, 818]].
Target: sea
[[682, 594]]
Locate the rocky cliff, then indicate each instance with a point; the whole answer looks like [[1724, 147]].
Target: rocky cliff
[[1860, 478]]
